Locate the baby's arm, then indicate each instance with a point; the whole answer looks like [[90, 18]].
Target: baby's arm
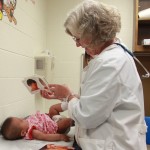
[[36, 134]]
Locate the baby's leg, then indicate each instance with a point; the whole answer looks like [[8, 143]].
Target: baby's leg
[[55, 110], [64, 125]]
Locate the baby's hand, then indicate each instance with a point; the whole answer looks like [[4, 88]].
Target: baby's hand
[[64, 137]]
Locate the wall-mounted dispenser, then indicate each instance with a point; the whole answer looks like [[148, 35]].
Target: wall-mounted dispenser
[[40, 63], [44, 64]]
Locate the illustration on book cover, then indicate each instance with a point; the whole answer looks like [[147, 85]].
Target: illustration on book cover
[[35, 83]]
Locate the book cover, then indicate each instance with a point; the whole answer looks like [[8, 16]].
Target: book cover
[[35, 83], [56, 147]]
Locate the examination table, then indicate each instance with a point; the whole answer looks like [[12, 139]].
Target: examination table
[[23, 144]]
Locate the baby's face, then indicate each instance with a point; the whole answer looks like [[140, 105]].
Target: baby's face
[[34, 86], [21, 123]]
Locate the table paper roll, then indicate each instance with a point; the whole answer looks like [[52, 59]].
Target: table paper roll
[[144, 14]]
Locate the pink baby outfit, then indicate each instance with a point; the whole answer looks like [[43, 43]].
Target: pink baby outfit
[[41, 122]]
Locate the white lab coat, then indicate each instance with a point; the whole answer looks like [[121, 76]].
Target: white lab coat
[[110, 112]]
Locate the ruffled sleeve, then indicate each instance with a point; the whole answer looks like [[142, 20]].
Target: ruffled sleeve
[[29, 133]]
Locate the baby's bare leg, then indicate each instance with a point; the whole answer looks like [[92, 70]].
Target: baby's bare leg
[[55, 110], [64, 124]]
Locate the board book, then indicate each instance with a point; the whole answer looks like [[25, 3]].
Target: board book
[[35, 83]]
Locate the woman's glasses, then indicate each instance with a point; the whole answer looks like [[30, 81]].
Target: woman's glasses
[[77, 40], [83, 44]]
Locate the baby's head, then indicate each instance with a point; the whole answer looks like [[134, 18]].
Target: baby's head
[[13, 128], [33, 84]]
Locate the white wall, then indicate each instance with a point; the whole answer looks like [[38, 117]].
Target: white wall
[[18, 45], [68, 56]]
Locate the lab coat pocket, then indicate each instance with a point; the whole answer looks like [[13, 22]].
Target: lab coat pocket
[[93, 144], [142, 129]]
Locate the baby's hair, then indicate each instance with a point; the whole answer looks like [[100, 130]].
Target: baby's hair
[[9, 131], [30, 81]]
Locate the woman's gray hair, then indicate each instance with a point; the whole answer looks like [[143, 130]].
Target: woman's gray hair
[[93, 19]]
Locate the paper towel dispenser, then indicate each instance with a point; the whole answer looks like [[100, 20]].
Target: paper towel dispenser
[[40, 63], [44, 65]]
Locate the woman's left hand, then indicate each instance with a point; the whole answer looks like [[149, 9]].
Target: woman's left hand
[[56, 91], [46, 93]]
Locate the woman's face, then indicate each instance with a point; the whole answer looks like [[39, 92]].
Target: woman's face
[[85, 43]]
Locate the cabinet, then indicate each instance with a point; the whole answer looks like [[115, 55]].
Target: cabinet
[[142, 26], [142, 52], [145, 59]]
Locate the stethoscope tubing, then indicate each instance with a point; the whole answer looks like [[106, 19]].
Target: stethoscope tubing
[[147, 75]]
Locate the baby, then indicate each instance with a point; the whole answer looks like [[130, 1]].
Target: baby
[[32, 84], [39, 126]]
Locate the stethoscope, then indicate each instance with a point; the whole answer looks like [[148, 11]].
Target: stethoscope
[[147, 75]]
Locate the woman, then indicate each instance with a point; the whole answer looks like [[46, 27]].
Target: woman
[[109, 114]]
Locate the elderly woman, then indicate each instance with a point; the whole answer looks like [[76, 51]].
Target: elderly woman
[[109, 114]]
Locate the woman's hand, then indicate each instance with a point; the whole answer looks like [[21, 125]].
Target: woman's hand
[[46, 93], [56, 91]]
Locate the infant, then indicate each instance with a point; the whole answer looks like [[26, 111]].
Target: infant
[[40, 126]]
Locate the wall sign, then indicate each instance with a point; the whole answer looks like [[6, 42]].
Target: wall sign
[[1, 9], [7, 8]]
